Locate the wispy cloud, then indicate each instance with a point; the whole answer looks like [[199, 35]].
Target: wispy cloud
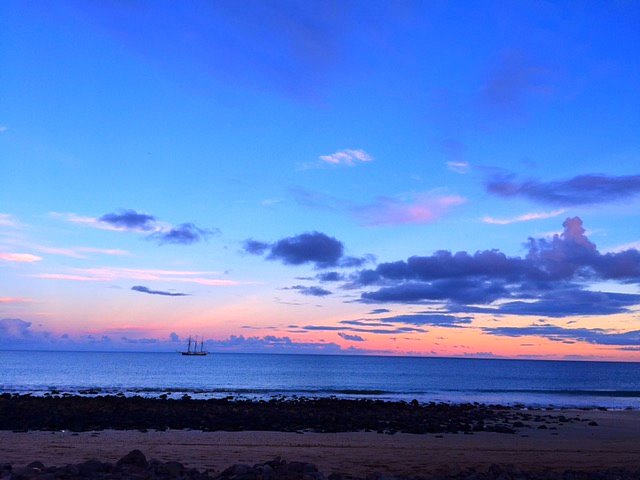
[[587, 189], [271, 202], [80, 252], [110, 274], [417, 209], [3, 128], [19, 257], [7, 220], [104, 251], [143, 289], [459, 167], [526, 217], [87, 221], [14, 300], [569, 335], [407, 208], [513, 79], [349, 157], [377, 329]]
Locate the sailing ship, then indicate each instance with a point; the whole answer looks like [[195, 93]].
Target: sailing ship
[[195, 351]]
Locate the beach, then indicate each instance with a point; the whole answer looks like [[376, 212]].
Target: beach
[[584, 440]]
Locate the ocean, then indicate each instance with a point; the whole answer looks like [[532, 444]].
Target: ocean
[[261, 376]]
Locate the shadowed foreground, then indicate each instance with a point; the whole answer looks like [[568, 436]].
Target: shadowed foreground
[[353, 438], [135, 465]]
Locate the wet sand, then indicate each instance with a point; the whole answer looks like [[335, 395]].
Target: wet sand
[[615, 442]]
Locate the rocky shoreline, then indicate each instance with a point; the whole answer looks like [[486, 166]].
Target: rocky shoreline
[[76, 413], [135, 465]]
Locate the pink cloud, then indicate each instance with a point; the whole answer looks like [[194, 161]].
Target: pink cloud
[[6, 300], [422, 208], [7, 220], [104, 251], [64, 276], [527, 217], [112, 274], [19, 257], [79, 252]]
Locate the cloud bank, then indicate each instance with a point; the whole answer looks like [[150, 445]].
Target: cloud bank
[[551, 279]]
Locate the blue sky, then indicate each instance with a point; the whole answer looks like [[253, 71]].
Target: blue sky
[[397, 129]]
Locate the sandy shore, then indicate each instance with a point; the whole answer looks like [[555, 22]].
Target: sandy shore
[[615, 442]]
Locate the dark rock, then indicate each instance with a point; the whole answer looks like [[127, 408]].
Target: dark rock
[[593, 423], [268, 473], [36, 465], [236, 470], [134, 457], [172, 469], [90, 467]]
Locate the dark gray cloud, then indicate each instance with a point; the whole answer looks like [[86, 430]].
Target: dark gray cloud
[[254, 247], [275, 344], [310, 291], [459, 290], [351, 338], [399, 322], [562, 302], [580, 190], [377, 311], [315, 248], [560, 334], [143, 289], [130, 220], [358, 327], [355, 262], [549, 280], [183, 234], [432, 319], [330, 277]]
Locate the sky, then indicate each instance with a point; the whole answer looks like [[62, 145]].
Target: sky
[[392, 178]]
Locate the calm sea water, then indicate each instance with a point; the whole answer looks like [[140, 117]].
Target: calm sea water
[[539, 383]]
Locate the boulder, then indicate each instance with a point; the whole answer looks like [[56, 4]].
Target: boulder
[[134, 457]]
